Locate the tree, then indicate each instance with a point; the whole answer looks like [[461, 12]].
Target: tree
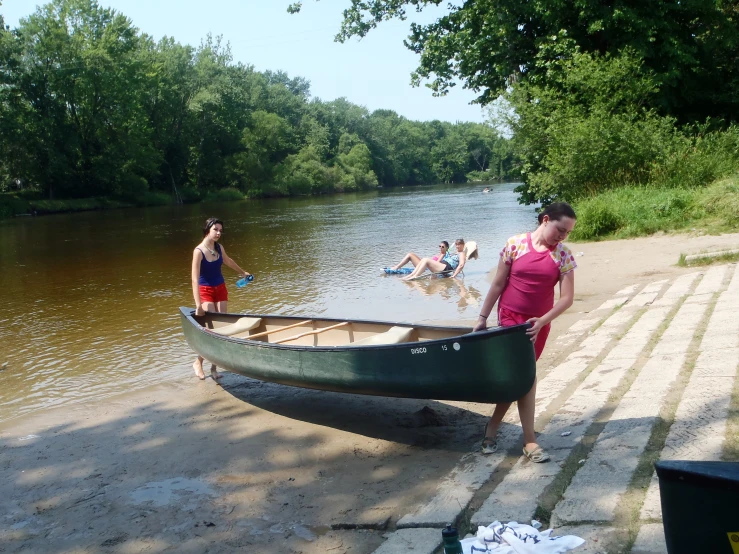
[[83, 128], [267, 141], [598, 135], [691, 47]]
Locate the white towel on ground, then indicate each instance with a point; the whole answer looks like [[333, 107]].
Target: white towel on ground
[[517, 538]]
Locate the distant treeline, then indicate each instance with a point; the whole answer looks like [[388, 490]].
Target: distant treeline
[[91, 107]]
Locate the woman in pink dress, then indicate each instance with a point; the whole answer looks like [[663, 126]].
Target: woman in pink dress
[[531, 265]]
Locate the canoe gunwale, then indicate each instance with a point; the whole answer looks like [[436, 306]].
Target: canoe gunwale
[[465, 333]]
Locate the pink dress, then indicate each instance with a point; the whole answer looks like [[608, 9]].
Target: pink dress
[[529, 291]]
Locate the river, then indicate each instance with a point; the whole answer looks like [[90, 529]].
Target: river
[[91, 298]]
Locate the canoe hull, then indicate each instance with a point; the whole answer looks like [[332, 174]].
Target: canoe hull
[[497, 365]]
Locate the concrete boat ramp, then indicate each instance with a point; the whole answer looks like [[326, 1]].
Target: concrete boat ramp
[[650, 376]]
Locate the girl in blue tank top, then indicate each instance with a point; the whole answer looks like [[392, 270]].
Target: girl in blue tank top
[[208, 285]]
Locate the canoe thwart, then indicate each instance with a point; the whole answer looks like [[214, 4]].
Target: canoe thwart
[[278, 329], [316, 332], [241, 326], [394, 335]]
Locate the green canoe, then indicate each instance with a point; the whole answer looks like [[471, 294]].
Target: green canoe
[[368, 357]]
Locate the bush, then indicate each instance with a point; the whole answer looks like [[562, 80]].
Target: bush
[[224, 195], [153, 198], [701, 159], [720, 202], [190, 195], [588, 130], [132, 188], [11, 204], [636, 211], [596, 218]]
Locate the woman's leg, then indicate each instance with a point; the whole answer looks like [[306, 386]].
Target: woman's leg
[[491, 429], [198, 363], [409, 257], [425, 263], [527, 404], [526, 408]]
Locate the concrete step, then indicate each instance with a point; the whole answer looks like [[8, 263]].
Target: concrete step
[[613, 349], [699, 428], [516, 497], [473, 470], [598, 485]]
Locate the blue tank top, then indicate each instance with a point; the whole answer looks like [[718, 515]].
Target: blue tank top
[[452, 260], [210, 272]]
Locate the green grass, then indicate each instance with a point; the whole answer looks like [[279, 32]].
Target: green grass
[[11, 204], [225, 195], [634, 211], [29, 202], [707, 259]]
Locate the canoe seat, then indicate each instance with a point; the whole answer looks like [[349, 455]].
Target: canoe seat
[[394, 335], [242, 325]]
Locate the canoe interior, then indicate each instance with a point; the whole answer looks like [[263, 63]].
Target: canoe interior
[[283, 330]]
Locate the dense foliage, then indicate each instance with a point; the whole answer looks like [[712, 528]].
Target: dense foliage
[[690, 46], [89, 106], [603, 134], [603, 94]]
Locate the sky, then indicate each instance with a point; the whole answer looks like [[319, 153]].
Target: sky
[[373, 72]]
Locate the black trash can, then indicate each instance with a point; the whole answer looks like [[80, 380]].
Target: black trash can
[[700, 506]]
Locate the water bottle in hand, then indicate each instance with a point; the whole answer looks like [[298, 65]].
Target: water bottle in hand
[[241, 283]]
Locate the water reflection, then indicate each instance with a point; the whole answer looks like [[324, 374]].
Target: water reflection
[[451, 290], [91, 299]]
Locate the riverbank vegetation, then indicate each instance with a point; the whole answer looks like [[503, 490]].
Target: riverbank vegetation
[[91, 108], [627, 111]]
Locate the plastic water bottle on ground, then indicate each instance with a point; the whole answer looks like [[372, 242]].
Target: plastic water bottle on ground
[[450, 536]]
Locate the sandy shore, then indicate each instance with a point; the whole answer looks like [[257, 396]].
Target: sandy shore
[[188, 466]]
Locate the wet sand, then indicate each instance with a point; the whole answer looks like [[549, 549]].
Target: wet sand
[[188, 466]]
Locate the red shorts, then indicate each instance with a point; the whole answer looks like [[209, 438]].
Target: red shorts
[[507, 318], [213, 294]]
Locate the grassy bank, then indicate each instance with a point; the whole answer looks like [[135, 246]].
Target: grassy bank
[[29, 203], [638, 211]]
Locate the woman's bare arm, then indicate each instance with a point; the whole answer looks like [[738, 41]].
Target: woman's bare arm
[[462, 261], [232, 264], [496, 289], [197, 256], [566, 297]]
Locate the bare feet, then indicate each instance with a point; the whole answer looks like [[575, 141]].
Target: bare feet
[[197, 365], [214, 374]]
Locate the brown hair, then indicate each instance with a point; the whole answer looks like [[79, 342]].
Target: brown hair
[[209, 224], [557, 211]]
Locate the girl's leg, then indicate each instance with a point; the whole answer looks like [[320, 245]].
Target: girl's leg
[[409, 257], [198, 363], [221, 307]]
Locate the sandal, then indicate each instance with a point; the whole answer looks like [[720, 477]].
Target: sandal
[[537, 455], [489, 445]]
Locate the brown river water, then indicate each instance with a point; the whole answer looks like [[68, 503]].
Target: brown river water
[[91, 299]]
